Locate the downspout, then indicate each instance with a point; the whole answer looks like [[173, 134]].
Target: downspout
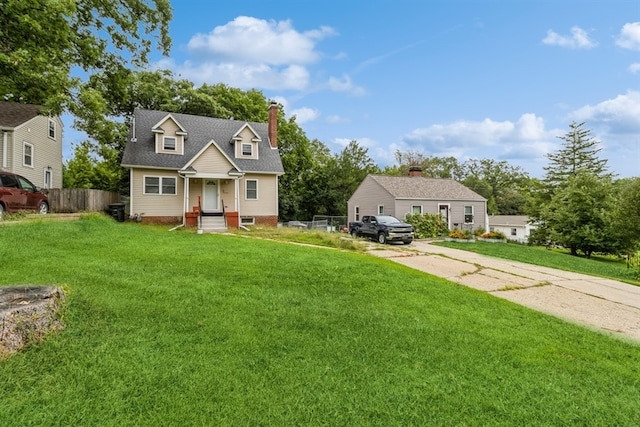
[[185, 203], [185, 200], [131, 206]]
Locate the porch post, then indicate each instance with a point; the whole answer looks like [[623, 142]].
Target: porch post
[[236, 194]]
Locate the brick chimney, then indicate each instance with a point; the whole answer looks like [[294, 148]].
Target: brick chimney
[[273, 124], [415, 171]]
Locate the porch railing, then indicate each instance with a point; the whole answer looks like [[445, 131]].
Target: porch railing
[[199, 214], [224, 214]]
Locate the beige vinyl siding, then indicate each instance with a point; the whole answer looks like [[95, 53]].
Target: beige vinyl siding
[[247, 138], [46, 152], [170, 128], [156, 204], [368, 197], [267, 202], [228, 194], [195, 191], [212, 161]]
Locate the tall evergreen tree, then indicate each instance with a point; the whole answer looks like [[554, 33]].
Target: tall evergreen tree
[[579, 214], [579, 151]]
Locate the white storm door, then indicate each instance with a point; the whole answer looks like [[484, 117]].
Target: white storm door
[[211, 194], [444, 213]]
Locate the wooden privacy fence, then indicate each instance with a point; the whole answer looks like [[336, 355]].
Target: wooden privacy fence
[[69, 200]]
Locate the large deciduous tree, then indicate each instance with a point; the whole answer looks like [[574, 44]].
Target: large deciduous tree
[[432, 166], [46, 46], [625, 230]]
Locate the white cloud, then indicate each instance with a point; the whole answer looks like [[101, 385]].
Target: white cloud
[[345, 84], [252, 40], [335, 119], [252, 53], [629, 37], [246, 76], [619, 115], [579, 39], [305, 114], [527, 138], [634, 68]]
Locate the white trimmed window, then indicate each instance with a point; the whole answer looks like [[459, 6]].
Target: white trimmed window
[[27, 154], [247, 220], [468, 214], [52, 129], [380, 209], [357, 213], [514, 231], [416, 209], [247, 150], [169, 143], [161, 185], [251, 190]]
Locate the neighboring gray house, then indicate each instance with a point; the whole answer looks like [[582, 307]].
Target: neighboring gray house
[[400, 195], [31, 144], [182, 166], [515, 227]]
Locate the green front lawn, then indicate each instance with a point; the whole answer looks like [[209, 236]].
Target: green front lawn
[[602, 266], [174, 328]]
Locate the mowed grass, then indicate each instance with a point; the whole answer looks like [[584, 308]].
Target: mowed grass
[[174, 328], [598, 265]]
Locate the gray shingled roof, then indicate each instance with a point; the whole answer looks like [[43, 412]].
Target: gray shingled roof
[[13, 114], [516, 220], [200, 132], [405, 187]]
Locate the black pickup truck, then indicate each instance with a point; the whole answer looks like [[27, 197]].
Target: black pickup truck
[[383, 228]]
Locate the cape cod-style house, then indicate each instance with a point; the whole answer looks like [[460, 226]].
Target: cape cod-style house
[[202, 171]]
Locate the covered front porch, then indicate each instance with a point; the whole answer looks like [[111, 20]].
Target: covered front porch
[[211, 202]]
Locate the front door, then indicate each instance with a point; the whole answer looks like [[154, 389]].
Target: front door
[[211, 194], [444, 213]]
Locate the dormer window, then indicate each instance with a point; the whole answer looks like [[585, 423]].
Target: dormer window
[[169, 143], [247, 150], [170, 136]]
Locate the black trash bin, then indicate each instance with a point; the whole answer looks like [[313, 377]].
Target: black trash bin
[[117, 211]]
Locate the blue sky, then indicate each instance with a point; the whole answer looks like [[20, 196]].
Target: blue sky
[[470, 79]]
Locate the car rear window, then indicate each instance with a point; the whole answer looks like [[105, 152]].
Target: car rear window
[[8, 181]]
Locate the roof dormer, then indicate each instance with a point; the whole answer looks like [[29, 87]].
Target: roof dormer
[[170, 136], [246, 143]]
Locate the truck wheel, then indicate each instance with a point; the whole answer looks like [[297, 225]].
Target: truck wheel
[[382, 239], [354, 233]]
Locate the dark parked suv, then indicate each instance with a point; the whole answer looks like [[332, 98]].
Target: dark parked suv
[[18, 193]]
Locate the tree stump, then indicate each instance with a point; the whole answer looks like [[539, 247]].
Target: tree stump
[[27, 315]]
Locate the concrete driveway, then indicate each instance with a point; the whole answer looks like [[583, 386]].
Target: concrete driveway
[[605, 305]]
